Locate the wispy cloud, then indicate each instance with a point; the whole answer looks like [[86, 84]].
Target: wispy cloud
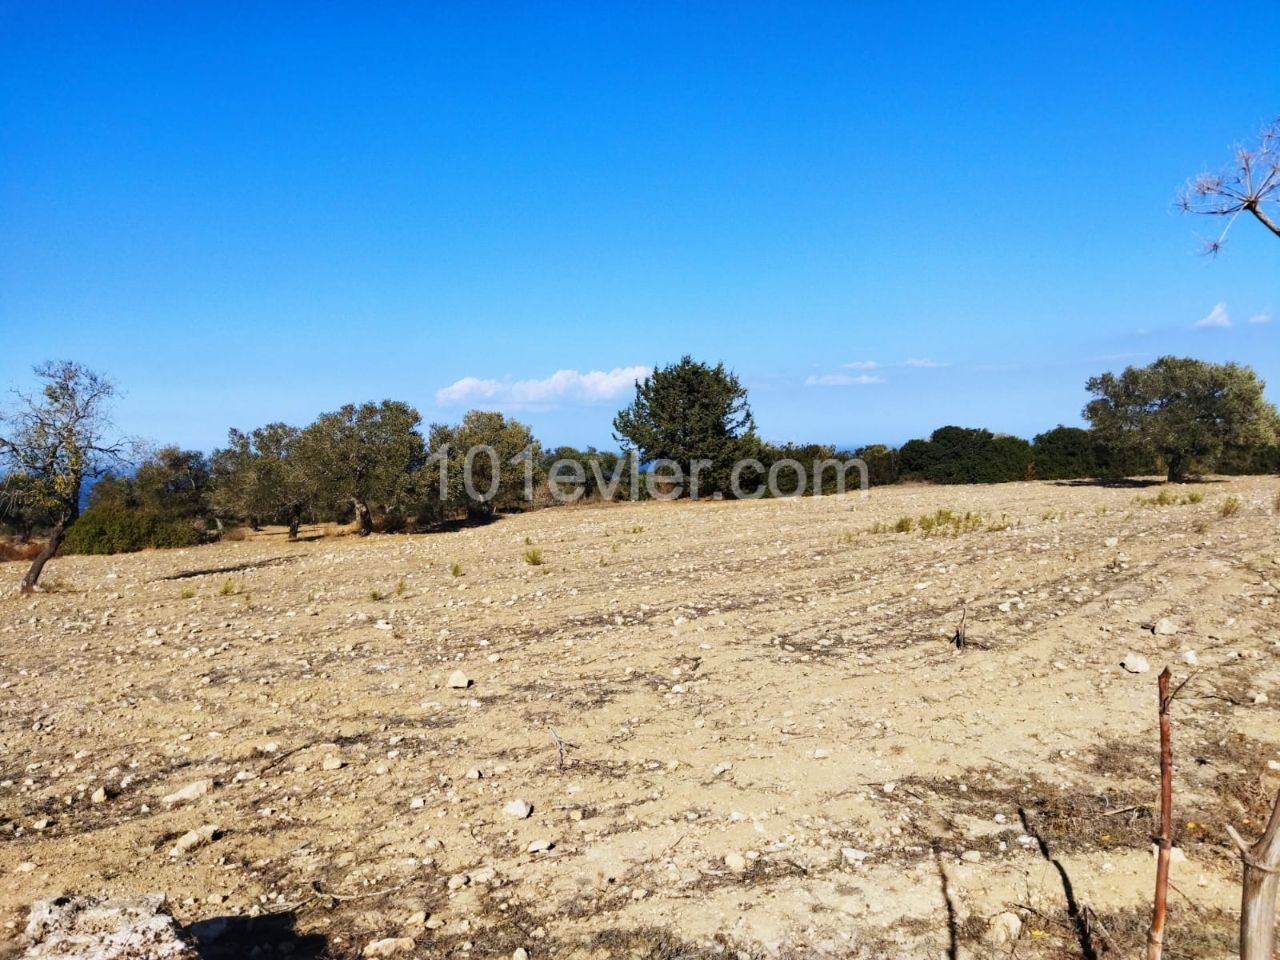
[[917, 362], [1217, 317], [1260, 318], [562, 387], [841, 380]]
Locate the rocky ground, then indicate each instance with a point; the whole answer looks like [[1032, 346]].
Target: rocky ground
[[715, 729]]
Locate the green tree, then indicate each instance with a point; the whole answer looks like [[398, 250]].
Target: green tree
[[175, 484], [363, 456], [691, 411], [259, 478], [1065, 453], [498, 478], [1183, 410], [57, 439], [882, 464]]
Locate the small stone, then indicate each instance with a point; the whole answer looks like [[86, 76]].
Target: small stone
[[852, 855], [99, 795], [459, 680], [735, 862], [388, 947], [971, 856], [1004, 928], [1260, 698], [1189, 658], [416, 919], [540, 846], [519, 953], [520, 809], [191, 791], [1110, 542], [1135, 663], [193, 839], [821, 753], [474, 774], [1164, 627], [458, 881], [330, 762], [1175, 853]]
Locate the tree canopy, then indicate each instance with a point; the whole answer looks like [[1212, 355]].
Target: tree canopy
[[1185, 411], [690, 411], [54, 441]]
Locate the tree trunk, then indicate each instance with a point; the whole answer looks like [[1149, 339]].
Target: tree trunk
[[364, 519], [1261, 885], [1177, 470], [295, 520], [44, 556]]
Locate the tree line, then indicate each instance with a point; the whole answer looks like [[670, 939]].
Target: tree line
[[371, 464]]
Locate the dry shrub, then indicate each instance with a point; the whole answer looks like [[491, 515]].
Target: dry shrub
[[11, 552]]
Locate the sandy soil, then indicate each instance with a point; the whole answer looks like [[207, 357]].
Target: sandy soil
[[768, 745]]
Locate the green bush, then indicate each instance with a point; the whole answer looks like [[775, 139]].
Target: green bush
[[109, 527]]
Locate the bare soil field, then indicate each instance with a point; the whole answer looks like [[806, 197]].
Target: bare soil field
[[740, 729]]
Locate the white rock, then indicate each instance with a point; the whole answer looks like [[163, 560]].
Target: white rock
[[330, 762], [1175, 853], [540, 846], [1189, 658], [852, 855], [519, 953], [92, 928], [1004, 928], [193, 839], [520, 809], [1164, 627], [459, 680], [99, 795], [821, 753], [1109, 542], [191, 791], [388, 947], [735, 862], [1135, 663], [971, 856]]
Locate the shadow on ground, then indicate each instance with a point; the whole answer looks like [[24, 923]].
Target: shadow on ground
[[234, 938]]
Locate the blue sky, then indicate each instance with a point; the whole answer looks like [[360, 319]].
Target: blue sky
[[247, 213]]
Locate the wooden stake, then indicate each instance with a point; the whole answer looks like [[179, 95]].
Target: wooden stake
[[1155, 938], [1261, 884]]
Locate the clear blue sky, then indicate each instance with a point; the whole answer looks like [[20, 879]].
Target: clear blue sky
[[247, 213]]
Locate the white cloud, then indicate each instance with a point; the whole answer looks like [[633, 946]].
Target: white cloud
[[563, 386], [841, 380], [924, 363], [1217, 317], [1260, 318], [860, 365]]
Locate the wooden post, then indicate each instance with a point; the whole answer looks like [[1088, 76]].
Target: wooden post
[[1155, 938], [1261, 884]]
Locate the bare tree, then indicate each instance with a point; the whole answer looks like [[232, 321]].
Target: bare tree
[[56, 439], [1252, 185]]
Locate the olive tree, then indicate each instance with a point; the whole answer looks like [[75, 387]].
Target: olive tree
[[57, 439], [498, 455], [257, 477], [363, 456], [1183, 410]]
